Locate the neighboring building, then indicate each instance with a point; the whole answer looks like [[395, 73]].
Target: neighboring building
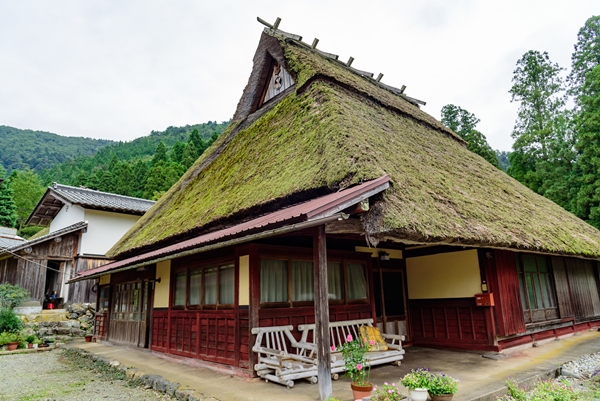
[[324, 166], [9, 237], [83, 225]]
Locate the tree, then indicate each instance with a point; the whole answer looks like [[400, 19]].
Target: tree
[[27, 190], [8, 215], [189, 155], [140, 176], [199, 144], [463, 123], [177, 152], [160, 155], [587, 168], [543, 153], [585, 57], [160, 178]]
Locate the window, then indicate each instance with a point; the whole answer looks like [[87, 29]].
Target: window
[[129, 301], [292, 281], [204, 287], [537, 288]]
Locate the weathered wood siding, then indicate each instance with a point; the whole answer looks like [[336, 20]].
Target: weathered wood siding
[[29, 269], [563, 291], [82, 291], [583, 282], [503, 282], [209, 335], [455, 323]]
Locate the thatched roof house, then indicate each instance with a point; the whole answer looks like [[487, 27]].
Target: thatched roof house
[[335, 128], [326, 173]]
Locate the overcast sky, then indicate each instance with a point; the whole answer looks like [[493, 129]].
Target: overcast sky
[[119, 69]]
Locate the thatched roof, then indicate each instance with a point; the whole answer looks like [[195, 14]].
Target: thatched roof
[[335, 128]]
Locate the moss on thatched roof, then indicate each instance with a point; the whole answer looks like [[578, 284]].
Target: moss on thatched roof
[[338, 129]]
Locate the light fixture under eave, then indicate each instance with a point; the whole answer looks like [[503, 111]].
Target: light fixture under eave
[[384, 256]]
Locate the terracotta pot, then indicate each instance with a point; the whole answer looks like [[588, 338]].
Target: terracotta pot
[[361, 391], [441, 397], [88, 339], [418, 394], [12, 346], [30, 345]]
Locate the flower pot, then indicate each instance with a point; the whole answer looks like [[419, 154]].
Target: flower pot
[[441, 397], [418, 394], [35, 346], [30, 345], [88, 338], [12, 346], [361, 391]]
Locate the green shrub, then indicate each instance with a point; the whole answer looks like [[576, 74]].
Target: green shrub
[[12, 295], [9, 321], [6, 337]]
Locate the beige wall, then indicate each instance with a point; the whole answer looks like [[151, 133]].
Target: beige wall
[[244, 289], [394, 253], [445, 275], [161, 290], [104, 279]]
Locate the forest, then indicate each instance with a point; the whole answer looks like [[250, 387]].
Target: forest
[[145, 167], [556, 149]]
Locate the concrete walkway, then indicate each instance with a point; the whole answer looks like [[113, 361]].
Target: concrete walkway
[[480, 378]]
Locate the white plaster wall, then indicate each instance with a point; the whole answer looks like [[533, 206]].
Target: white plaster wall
[[67, 216], [104, 230]]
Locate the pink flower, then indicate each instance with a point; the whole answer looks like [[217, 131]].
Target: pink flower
[[372, 342], [394, 384], [364, 340], [333, 347], [386, 383], [349, 337], [359, 366]]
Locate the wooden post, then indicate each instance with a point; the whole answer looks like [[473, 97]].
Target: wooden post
[[322, 313]]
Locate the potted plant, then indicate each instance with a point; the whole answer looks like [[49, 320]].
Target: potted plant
[[389, 392], [30, 339], [36, 342], [417, 382], [442, 387], [11, 340], [353, 351]]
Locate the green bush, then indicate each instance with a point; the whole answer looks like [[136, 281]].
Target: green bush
[[9, 321], [6, 337], [12, 295]]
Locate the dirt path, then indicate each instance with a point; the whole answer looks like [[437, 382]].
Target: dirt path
[[55, 376]]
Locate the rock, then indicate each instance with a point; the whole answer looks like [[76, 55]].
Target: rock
[[115, 364], [172, 388], [160, 384], [78, 308], [73, 315], [130, 373]]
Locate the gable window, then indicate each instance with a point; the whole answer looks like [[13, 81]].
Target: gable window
[[199, 287], [291, 281], [538, 296]]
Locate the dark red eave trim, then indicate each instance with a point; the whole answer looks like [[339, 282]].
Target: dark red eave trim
[[304, 211]]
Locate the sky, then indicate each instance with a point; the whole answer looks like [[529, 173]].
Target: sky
[[120, 69]]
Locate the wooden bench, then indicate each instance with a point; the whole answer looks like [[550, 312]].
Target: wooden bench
[[282, 359], [338, 331]]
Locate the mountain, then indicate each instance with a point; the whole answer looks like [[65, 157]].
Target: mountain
[[38, 150]]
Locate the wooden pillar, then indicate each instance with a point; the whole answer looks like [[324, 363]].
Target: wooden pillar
[[322, 313]]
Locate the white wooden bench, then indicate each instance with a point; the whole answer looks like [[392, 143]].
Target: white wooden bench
[[338, 331], [282, 359]]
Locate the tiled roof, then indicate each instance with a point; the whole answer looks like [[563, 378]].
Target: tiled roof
[[55, 234], [58, 195], [8, 242]]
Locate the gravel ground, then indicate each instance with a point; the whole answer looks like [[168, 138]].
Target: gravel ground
[[51, 376]]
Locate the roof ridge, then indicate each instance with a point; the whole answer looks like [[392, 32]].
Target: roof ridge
[[273, 30], [56, 185]]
